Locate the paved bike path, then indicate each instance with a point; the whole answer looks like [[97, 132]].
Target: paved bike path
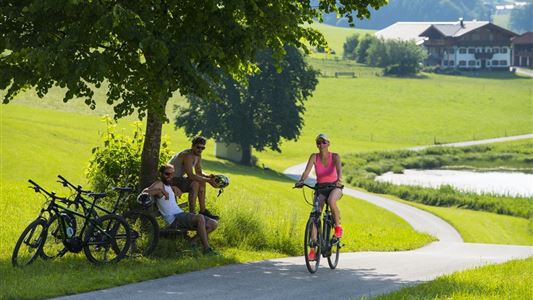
[[358, 274]]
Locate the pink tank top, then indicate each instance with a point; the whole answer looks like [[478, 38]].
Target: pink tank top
[[325, 173]]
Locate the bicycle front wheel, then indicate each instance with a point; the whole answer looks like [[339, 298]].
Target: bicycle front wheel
[[107, 240], [29, 243], [334, 249], [144, 231], [53, 245], [312, 244]]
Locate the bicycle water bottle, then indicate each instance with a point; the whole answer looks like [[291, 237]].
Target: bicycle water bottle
[[70, 231]]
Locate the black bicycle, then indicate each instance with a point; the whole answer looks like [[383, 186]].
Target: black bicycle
[[319, 235], [103, 239], [144, 226]]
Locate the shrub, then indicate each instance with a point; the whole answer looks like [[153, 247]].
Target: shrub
[[117, 162], [350, 46]]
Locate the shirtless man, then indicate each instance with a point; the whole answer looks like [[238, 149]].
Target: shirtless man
[[189, 181]]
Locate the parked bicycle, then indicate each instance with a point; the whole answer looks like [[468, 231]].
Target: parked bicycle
[[103, 239], [144, 226], [320, 236]]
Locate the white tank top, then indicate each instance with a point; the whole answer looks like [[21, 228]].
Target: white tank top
[[168, 207]]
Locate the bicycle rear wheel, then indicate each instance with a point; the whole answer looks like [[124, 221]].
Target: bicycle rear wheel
[[144, 231], [107, 240], [29, 243], [312, 244]]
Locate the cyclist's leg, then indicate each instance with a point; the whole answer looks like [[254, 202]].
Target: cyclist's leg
[[321, 198], [201, 196], [199, 222], [193, 194], [334, 196], [210, 225]]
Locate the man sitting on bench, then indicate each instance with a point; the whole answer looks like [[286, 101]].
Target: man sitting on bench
[[173, 214]]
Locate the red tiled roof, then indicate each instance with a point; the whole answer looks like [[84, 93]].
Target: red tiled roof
[[526, 38]]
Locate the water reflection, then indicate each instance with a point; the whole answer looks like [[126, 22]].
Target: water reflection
[[500, 183]]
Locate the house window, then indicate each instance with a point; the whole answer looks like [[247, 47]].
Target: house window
[[496, 50], [478, 50], [477, 63], [451, 51], [471, 63], [494, 62], [488, 62], [451, 62], [462, 50], [489, 50], [462, 63], [503, 63], [471, 50], [504, 49]]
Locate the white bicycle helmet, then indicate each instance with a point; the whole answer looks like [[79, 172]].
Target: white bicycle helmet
[[145, 199]]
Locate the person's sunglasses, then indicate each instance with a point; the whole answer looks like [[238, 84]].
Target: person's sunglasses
[[200, 147], [321, 142]]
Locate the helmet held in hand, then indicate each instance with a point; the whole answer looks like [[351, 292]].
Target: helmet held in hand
[[145, 199], [221, 181]]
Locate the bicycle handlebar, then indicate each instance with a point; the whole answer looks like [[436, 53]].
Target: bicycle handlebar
[[38, 189], [315, 187], [66, 183]]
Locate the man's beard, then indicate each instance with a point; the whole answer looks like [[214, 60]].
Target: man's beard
[[165, 180]]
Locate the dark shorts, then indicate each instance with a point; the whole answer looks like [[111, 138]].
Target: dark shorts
[[325, 188], [183, 220], [183, 183]]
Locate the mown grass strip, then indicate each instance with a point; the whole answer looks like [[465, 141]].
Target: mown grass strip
[[511, 280]]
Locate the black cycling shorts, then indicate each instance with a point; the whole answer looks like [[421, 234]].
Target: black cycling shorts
[[326, 188], [183, 183]]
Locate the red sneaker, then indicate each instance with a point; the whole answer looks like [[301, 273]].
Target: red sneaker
[[312, 254], [338, 231]]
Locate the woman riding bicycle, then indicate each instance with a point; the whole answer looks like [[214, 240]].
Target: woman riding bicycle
[[328, 171]]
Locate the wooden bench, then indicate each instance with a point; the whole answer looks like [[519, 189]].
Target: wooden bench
[[352, 74], [166, 231]]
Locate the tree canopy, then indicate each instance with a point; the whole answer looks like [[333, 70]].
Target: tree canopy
[[257, 114], [144, 51]]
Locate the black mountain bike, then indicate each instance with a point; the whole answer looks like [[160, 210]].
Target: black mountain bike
[[103, 239], [144, 227], [320, 236]]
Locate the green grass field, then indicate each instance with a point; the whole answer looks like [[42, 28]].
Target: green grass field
[[40, 139], [336, 36], [379, 113], [511, 280], [480, 226], [263, 217]]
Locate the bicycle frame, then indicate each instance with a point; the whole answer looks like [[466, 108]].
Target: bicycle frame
[[54, 208], [327, 221], [80, 200]]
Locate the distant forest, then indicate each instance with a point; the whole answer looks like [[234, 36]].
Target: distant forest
[[418, 11]]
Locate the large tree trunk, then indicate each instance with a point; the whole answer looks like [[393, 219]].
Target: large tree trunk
[[246, 155], [150, 155]]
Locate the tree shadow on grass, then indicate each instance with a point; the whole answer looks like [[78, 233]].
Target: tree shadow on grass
[[225, 167], [274, 279]]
